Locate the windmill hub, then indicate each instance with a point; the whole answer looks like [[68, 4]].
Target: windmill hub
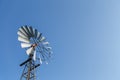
[[34, 45]]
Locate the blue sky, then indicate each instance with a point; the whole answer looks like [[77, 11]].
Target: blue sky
[[84, 35]]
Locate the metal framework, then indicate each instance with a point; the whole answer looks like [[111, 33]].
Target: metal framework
[[29, 69]]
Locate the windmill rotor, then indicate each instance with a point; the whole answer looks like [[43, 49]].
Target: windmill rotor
[[34, 43]]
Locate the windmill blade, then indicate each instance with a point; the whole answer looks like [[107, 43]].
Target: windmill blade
[[40, 61], [42, 39], [36, 33], [31, 31], [27, 30], [45, 43], [39, 36], [22, 31], [22, 34], [34, 56], [48, 48], [25, 45], [30, 51], [50, 54], [23, 39]]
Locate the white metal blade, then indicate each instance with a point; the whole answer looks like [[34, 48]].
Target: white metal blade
[[45, 43], [31, 30], [27, 30], [25, 45], [42, 39], [34, 56], [21, 29], [49, 48], [23, 39], [22, 35], [38, 34], [30, 51]]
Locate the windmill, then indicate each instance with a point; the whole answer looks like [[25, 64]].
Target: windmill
[[37, 49]]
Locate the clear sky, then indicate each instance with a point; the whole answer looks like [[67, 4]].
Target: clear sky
[[84, 35]]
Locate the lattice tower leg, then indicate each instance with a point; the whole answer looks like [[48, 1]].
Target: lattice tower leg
[[29, 71]]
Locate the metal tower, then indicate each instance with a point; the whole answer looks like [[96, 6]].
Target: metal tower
[[29, 71]]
